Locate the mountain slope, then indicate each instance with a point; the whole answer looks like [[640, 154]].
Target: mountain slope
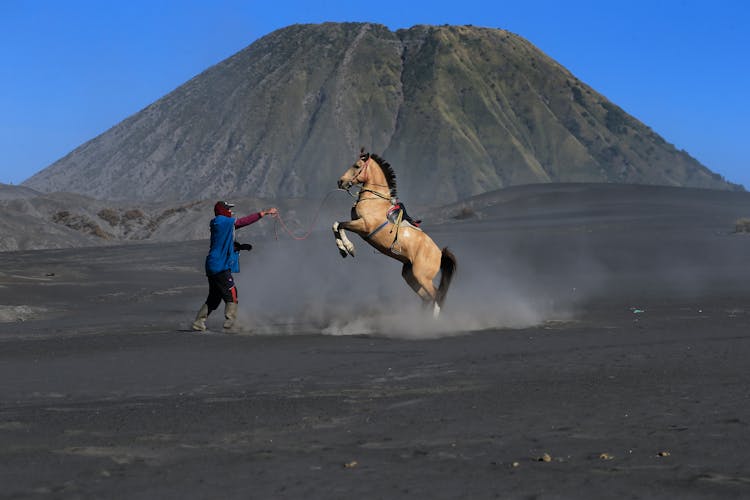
[[456, 110]]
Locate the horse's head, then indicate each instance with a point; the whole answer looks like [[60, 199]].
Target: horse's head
[[357, 173]]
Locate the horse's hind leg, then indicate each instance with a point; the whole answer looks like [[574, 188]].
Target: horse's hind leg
[[426, 293], [423, 273]]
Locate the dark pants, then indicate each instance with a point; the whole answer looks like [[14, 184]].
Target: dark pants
[[220, 287]]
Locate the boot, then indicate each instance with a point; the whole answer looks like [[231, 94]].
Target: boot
[[199, 325], [230, 313]]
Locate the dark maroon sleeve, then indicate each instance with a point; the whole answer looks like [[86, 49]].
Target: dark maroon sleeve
[[247, 220]]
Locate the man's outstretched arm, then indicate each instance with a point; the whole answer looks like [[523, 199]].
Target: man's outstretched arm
[[252, 218]]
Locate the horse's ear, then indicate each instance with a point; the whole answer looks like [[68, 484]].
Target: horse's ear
[[362, 155]]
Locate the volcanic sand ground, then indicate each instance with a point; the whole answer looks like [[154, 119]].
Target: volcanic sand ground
[[597, 345]]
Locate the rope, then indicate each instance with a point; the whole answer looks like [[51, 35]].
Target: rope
[[307, 233]]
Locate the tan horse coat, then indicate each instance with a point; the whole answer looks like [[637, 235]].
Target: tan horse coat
[[420, 255]]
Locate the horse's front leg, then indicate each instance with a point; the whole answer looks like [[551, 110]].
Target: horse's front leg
[[345, 246], [338, 233]]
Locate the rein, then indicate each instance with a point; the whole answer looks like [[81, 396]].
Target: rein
[[309, 230], [379, 195]]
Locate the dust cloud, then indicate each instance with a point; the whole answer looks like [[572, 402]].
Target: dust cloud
[[298, 287]]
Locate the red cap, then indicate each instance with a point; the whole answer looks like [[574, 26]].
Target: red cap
[[223, 208]]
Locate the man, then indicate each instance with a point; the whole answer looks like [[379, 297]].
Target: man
[[222, 260]]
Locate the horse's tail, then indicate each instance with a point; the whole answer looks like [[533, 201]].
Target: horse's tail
[[448, 265]]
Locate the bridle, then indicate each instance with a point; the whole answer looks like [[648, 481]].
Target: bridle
[[366, 159], [361, 170]]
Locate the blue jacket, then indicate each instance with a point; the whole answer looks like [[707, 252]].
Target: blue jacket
[[222, 256]]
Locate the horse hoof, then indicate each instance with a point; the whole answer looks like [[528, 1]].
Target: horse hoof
[[343, 253]]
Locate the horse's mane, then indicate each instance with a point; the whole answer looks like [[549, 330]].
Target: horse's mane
[[390, 175]]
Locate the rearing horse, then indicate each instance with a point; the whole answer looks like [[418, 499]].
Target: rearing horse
[[394, 237]]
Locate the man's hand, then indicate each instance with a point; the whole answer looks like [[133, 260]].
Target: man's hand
[[269, 211]]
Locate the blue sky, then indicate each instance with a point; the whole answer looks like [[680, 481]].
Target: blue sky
[[71, 69]]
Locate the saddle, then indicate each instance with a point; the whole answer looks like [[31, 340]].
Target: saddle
[[397, 216], [398, 210]]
